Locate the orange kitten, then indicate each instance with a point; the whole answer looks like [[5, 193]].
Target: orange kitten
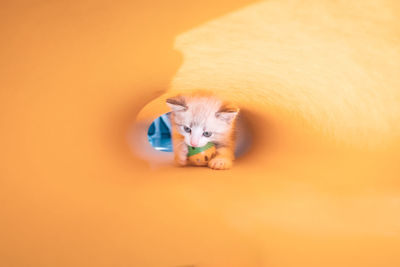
[[199, 118]]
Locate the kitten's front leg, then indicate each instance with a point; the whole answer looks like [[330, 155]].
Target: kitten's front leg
[[223, 160], [181, 151]]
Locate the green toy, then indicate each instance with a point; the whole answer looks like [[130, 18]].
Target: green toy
[[200, 156]]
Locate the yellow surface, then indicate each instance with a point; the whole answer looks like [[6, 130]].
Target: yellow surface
[[74, 76]]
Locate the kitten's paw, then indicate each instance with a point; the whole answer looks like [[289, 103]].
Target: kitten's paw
[[181, 156], [180, 161], [219, 163]]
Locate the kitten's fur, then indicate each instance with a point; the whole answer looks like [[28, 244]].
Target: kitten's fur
[[199, 113]]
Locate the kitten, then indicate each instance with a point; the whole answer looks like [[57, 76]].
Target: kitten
[[199, 118]]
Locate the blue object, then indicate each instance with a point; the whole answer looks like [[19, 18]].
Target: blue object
[[159, 133]]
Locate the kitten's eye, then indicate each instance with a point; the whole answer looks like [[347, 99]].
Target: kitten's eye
[[187, 129], [207, 134]]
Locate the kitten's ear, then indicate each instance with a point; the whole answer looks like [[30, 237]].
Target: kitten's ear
[[177, 103], [227, 113]]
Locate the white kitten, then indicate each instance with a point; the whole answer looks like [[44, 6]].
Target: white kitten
[[199, 118]]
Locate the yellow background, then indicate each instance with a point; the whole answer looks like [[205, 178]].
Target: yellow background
[[75, 74]]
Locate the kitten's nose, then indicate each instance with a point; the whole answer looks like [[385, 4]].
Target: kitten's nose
[[194, 143]]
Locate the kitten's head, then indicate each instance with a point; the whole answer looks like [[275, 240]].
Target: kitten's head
[[202, 119]]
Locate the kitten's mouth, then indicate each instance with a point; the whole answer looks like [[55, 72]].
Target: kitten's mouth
[[194, 146]]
